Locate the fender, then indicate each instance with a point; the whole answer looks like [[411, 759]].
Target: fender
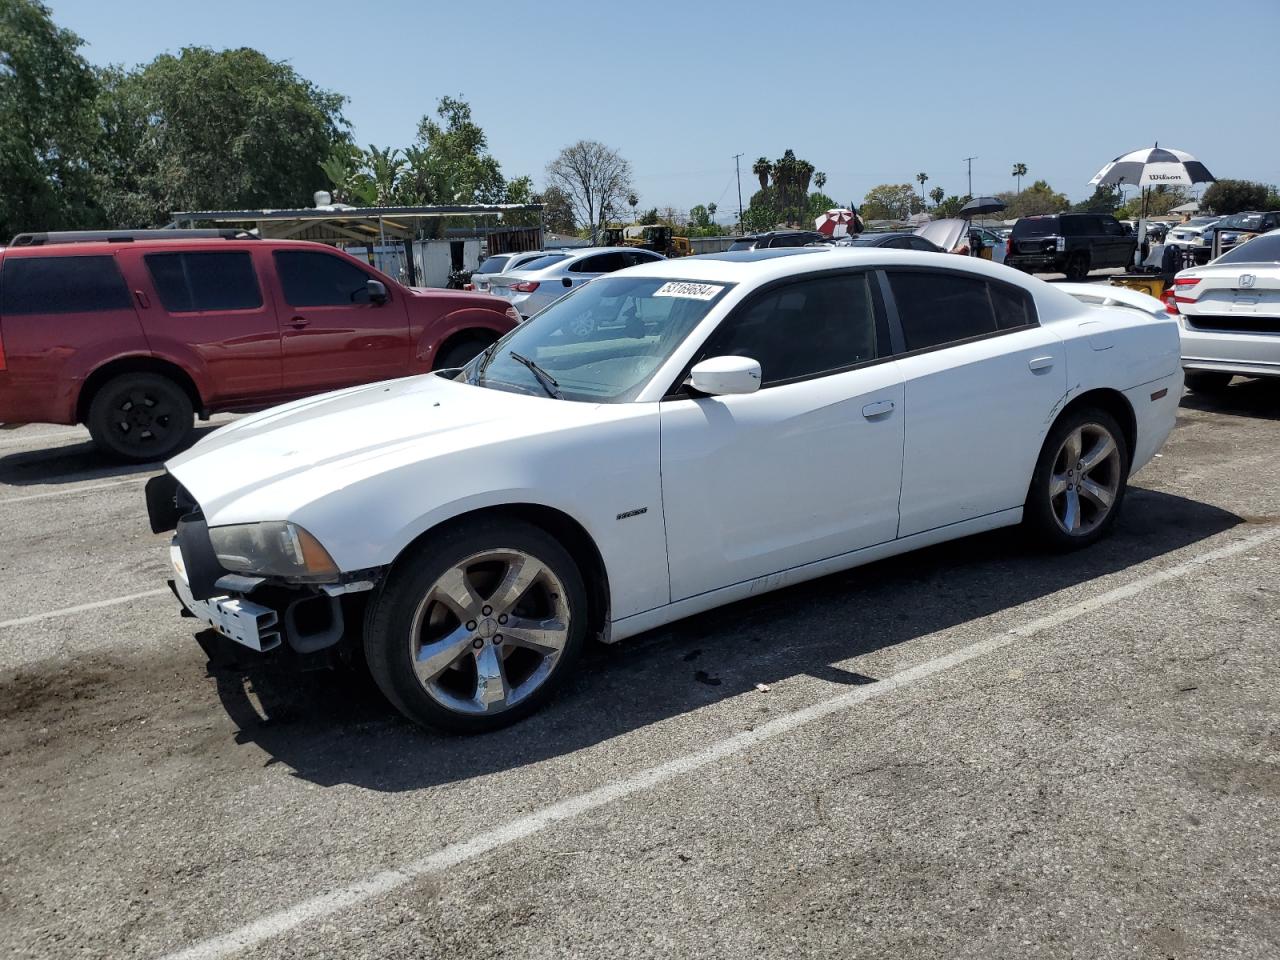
[[466, 318], [183, 357]]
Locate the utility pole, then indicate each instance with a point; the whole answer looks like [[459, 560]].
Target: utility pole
[[969, 160], [738, 171]]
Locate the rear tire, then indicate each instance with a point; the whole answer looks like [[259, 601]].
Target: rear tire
[[1079, 481], [1207, 381], [1077, 267], [477, 627], [463, 352], [141, 417]]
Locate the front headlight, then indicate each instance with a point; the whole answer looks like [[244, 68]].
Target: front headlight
[[274, 549]]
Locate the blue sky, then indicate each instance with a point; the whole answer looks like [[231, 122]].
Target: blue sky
[[868, 92]]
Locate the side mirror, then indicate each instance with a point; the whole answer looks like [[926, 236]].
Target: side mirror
[[377, 291], [718, 376]]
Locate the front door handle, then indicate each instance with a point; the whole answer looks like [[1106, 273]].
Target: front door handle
[[299, 322], [877, 409], [1040, 363]]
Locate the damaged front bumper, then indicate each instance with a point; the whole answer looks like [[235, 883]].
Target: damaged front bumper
[[257, 613]]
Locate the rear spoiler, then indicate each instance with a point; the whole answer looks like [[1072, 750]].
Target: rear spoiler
[[1099, 295]]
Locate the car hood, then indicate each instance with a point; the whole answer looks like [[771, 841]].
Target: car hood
[[266, 465], [945, 233]]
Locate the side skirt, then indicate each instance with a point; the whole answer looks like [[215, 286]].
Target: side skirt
[[640, 622]]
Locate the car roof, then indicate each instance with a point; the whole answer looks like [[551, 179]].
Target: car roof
[[176, 245]]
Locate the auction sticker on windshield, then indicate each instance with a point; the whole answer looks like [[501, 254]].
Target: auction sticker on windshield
[[691, 291]]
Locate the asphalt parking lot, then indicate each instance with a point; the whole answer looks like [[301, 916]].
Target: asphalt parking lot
[[973, 751]]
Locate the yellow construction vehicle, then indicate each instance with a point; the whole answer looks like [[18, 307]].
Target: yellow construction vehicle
[[657, 237]]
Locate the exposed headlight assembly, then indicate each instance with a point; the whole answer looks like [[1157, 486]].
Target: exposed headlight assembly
[[274, 549]]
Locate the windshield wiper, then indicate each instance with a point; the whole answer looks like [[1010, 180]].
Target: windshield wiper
[[484, 362], [545, 380]]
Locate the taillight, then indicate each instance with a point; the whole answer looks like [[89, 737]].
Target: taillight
[[514, 315], [1167, 298], [1008, 246], [468, 286], [1171, 298], [527, 287]]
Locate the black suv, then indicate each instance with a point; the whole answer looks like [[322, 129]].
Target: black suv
[[779, 238], [1070, 243]]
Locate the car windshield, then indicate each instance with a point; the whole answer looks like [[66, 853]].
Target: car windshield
[[546, 261], [1264, 249], [494, 264], [1242, 221], [602, 342]]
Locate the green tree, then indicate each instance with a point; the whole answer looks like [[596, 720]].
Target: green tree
[[1235, 196], [1103, 200], [950, 207], [557, 211], [1019, 171], [1035, 200], [818, 204], [891, 201], [763, 169], [458, 167], [1159, 201], [699, 217], [936, 195], [212, 129], [922, 178], [650, 216], [784, 191], [47, 124]]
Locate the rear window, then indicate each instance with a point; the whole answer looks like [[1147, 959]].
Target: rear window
[[1264, 249], [1036, 227], [191, 282], [546, 261], [62, 285], [494, 264]]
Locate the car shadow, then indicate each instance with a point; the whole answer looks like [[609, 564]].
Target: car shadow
[[1258, 398], [335, 728], [75, 463]]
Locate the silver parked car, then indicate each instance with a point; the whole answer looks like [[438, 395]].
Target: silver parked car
[[1191, 233], [547, 279], [1230, 314], [501, 263]]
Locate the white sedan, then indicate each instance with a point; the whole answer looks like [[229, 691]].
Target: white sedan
[[740, 423], [1229, 311], [543, 281]]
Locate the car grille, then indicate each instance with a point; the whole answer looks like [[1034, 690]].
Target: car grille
[[1235, 323]]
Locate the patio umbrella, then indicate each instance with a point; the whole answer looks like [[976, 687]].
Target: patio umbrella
[[1154, 166], [980, 205], [835, 222]]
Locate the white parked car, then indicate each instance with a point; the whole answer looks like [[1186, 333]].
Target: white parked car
[[1191, 233], [1230, 314], [544, 281], [500, 263], [744, 421]]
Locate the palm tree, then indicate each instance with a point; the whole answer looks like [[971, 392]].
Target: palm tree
[[922, 178], [1019, 171], [711, 211], [762, 168], [936, 195], [633, 201], [819, 180]]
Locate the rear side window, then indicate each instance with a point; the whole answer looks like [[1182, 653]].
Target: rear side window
[[190, 282], [62, 285], [601, 263], [941, 308], [320, 279], [542, 262], [1014, 307]]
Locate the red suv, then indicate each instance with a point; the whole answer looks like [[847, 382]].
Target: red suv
[[131, 332]]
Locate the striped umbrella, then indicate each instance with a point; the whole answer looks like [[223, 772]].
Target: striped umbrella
[[1153, 167], [835, 223]]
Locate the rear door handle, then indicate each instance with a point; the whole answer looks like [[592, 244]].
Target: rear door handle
[[877, 409], [141, 297], [299, 322], [1040, 363]]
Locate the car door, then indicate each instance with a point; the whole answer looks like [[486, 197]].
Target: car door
[[207, 308], [1118, 246], [982, 381], [807, 467], [334, 334]]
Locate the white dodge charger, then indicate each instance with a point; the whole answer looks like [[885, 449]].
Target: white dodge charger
[[664, 440]]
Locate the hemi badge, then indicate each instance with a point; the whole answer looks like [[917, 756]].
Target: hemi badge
[[1160, 393], [633, 513]]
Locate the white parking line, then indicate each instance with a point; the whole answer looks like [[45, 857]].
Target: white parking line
[[80, 608], [334, 901], [72, 490]]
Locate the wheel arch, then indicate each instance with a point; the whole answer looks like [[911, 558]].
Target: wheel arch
[[1116, 404], [571, 534], [483, 335], [134, 364]]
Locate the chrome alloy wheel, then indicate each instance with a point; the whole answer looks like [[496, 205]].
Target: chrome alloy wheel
[[1085, 479], [489, 631]]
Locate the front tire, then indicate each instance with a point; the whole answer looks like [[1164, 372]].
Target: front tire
[[141, 417], [476, 628], [463, 352], [1079, 481], [1077, 268]]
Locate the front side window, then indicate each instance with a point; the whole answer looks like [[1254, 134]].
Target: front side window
[[600, 263], [31, 285], [940, 308], [602, 342], [189, 282], [320, 279], [816, 326]]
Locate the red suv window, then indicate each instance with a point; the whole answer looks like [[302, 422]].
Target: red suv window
[[189, 282], [44, 285], [320, 280]]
